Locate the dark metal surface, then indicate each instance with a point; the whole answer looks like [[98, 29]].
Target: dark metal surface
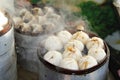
[[114, 64]]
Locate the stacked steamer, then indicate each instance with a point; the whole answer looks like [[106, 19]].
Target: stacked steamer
[[31, 26], [7, 53], [78, 56], [117, 5]]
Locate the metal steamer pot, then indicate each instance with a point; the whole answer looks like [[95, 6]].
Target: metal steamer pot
[[26, 49], [48, 71], [8, 70]]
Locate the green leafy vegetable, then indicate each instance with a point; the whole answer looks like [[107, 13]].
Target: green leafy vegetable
[[102, 18], [34, 1]]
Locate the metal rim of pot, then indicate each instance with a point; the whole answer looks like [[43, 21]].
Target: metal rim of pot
[[75, 72]]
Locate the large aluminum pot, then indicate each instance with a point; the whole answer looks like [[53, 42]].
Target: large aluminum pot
[[48, 71], [8, 71], [26, 49], [8, 67]]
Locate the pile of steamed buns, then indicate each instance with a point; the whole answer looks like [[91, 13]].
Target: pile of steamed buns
[[37, 20], [74, 52]]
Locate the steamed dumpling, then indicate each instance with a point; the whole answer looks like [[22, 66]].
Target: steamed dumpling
[[69, 63], [87, 62], [36, 28], [49, 27], [27, 17], [81, 36], [53, 43], [25, 27], [64, 36], [48, 10], [37, 11], [80, 27], [53, 16], [34, 20], [98, 53], [22, 12], [42, 19], [72, 52], [95, 42], [75, 43], [17, 21], [53, 57]]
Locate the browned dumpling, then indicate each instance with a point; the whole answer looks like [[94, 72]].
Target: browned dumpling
[[81, 36], [95, 42], [37, 11], [86, 62], [72, 52], [75, 43]]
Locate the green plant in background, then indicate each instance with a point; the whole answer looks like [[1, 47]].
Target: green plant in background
[[40, 1], [34, 1], [102, 18]]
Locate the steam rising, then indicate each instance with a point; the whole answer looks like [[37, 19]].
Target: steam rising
[[8, 5], [67, 8], [68, 21]]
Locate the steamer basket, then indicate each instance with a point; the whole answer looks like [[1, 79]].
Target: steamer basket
[[26, 49], [10, 73], [6, 60], [48, 71], [7, 52], [27, 43], [8, 67], [6, 40]]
